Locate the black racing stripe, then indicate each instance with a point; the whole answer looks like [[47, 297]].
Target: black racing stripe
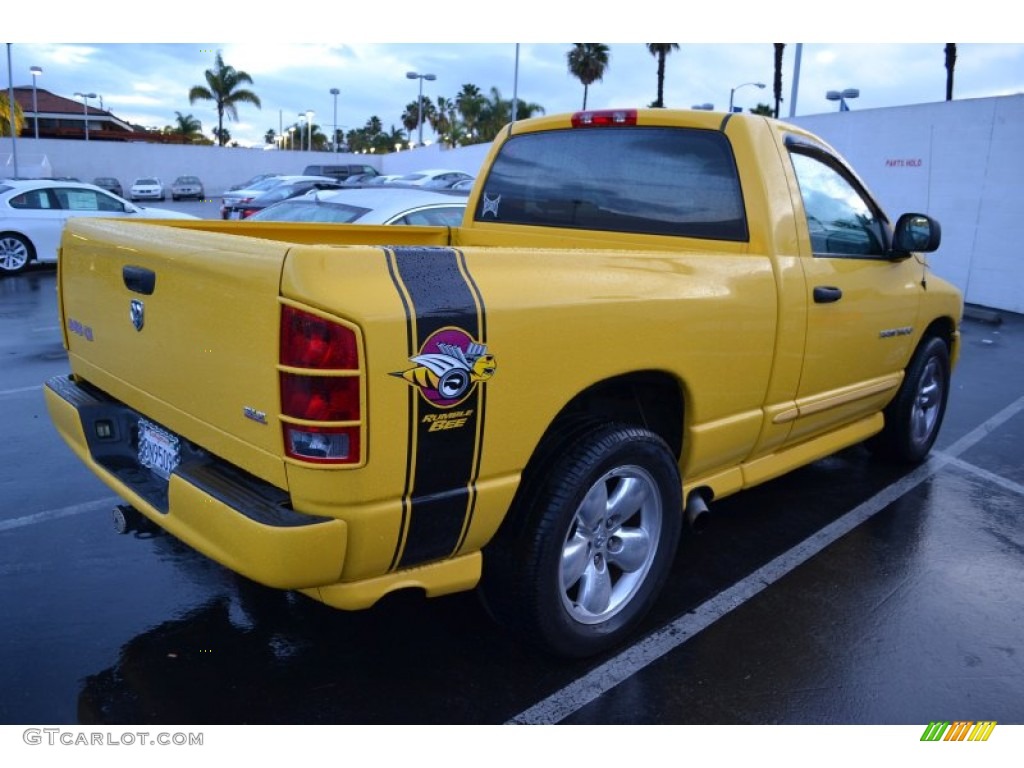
[[440, 295], [411, 410], [442, 496], [446, 460], [472, 286]]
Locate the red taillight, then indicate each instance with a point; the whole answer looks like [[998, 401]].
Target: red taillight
[[309, 341], [320, 382], [320, 398], [604, 117]]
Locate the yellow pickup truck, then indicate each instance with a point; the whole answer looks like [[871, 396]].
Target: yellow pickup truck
[[643, 311]]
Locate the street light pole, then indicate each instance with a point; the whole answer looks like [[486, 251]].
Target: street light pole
[[36, 71], [309, 129], [334, 93], [85, 102], [10, 106], [741, 85], [421, 78]]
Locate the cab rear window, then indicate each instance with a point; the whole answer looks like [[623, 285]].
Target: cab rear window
[[659, 181]]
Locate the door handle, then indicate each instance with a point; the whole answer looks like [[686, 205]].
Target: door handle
[[826, 294]]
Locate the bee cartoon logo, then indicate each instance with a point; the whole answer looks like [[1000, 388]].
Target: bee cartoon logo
[[449, 365]]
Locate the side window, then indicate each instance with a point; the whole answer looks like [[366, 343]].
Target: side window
[[87, 200], [840, 220], [35, 200]]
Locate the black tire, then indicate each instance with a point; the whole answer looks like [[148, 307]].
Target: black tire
[[15, 253], [592, 538], [914, 417]]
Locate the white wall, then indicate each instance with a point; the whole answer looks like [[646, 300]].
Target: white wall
[[218, 167], [959, 161]]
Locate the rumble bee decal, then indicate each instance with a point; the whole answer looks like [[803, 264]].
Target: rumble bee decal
[[449, 365]]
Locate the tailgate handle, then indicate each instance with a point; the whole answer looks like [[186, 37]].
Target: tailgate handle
[[139, 280], [826, 294]]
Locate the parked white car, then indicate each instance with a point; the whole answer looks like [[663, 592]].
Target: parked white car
[[147, 188], [33, 212]]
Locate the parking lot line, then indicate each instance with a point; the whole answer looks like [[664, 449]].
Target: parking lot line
[[20, 390], [57, 514], [603, 678], [989, 477]]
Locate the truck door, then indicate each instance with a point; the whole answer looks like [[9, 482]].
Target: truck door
[[862, 302]]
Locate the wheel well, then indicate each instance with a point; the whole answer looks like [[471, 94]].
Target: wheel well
[[649, 399], [943, 328]]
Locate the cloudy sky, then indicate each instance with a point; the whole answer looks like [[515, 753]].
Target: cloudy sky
[[147, 83]]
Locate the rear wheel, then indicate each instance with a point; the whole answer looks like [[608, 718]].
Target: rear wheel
[[913, 418], [601, 529], [15, 253]]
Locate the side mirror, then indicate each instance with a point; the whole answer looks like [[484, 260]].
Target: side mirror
[[916, 232]]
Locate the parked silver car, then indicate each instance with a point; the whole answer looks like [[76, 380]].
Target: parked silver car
[[110, 184], [187, 186]]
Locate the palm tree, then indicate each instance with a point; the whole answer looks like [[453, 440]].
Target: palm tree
[[661, 52], [387, 141], [779, 48], [222, 87], [497, 113], [5, 116], [187, 127], [302, 136], [587, 63], [442, 116], [950, 51], [470, 103], [527, 109], [411, 114]]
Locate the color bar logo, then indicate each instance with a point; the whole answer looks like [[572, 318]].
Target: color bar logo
[[961, 730]]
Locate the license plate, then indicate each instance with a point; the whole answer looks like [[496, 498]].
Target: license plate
[[158, 449], [235, 215]]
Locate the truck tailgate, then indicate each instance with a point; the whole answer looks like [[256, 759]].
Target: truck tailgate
[[183, 329]]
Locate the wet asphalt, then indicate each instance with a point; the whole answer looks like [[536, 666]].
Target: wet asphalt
[[848, 592]]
